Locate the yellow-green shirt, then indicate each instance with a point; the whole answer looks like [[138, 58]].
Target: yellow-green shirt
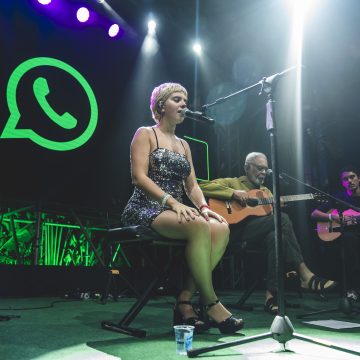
[[223, 188]]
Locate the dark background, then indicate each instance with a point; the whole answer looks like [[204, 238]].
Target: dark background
[[243, 41]]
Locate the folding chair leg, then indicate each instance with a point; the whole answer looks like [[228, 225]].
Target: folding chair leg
[[123, 325], [112, 274]]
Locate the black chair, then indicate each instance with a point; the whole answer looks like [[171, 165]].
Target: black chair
[[240, 275], [144, 238], [250, 277]]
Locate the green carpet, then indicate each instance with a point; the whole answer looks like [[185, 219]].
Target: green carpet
[[71, 330]]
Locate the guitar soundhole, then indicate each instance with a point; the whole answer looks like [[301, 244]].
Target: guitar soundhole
[[252, 202]]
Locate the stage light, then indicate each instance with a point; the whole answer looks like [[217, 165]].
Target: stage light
[[300, 11], [83, 14], [113, 30], [151, 27], [98, 14], [150, 45], [300, 7], [197, 49]]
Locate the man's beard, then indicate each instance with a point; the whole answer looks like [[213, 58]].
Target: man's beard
[[258, 181]]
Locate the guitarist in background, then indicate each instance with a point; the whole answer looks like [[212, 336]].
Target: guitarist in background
[[350, 180], [258, 231]]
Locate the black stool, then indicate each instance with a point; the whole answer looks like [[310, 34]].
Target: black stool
[[144, 237]]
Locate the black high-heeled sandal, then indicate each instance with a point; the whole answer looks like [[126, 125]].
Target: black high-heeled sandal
[[178, 319], [228, 326]]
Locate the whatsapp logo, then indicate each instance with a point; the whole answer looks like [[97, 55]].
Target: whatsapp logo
[[41, 90]]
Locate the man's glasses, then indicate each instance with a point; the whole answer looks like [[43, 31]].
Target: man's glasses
[[259, 168]]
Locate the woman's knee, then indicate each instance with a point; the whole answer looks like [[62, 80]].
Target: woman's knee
[[220, 232], [198, 226], [219, 229]]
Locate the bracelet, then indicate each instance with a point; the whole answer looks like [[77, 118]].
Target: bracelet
[[204, 206], [330, 217], [164, 199]]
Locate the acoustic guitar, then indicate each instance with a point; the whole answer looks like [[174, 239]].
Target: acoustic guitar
[[258, 204], [329, 231]]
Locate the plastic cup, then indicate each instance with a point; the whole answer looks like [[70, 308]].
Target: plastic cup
[[183, 337]]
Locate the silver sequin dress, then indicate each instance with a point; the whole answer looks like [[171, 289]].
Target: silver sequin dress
[[167, 169]]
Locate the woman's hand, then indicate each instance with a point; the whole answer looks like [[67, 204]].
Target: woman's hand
[[208, 213], [182, 210]]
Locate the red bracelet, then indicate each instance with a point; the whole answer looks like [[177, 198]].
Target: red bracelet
[[204, 206]]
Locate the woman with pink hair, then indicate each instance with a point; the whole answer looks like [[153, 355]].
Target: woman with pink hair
[[161, 169]]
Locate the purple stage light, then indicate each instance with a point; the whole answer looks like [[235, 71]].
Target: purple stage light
[[83, 14], [44, 2], [113, 30]]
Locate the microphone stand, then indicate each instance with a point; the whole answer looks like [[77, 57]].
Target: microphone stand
[[339, 201], [345, 306], [281, 328]]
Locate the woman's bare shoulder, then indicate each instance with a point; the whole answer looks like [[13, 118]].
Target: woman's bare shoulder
[[143, 132], [186, 144]]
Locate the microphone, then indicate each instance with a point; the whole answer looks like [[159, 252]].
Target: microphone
[[197, 116], [269, 172]]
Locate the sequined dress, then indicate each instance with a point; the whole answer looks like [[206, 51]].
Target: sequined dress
[[167, 169]]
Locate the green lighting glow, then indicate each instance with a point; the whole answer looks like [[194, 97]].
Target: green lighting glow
[[41, 89], [207, 156], [61, 243]]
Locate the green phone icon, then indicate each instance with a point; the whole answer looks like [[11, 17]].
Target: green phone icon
[[41, 90]]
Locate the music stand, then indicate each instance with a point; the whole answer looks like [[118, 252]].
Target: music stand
[[281, 328]]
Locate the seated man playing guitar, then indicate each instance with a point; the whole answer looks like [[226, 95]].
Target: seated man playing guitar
[[246, 206], [328, 216]]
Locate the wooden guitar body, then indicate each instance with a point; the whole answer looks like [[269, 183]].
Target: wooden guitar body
[[329, 231], [233, 212]]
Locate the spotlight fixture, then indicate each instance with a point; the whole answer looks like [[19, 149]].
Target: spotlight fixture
[[113, 30], [96, 13], [197, 49], [83, 14], [151, 27]]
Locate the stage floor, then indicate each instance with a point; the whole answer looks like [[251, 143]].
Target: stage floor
[[55, 328]]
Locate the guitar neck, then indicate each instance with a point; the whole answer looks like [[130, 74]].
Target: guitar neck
[[234, 212], [287, 198]]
